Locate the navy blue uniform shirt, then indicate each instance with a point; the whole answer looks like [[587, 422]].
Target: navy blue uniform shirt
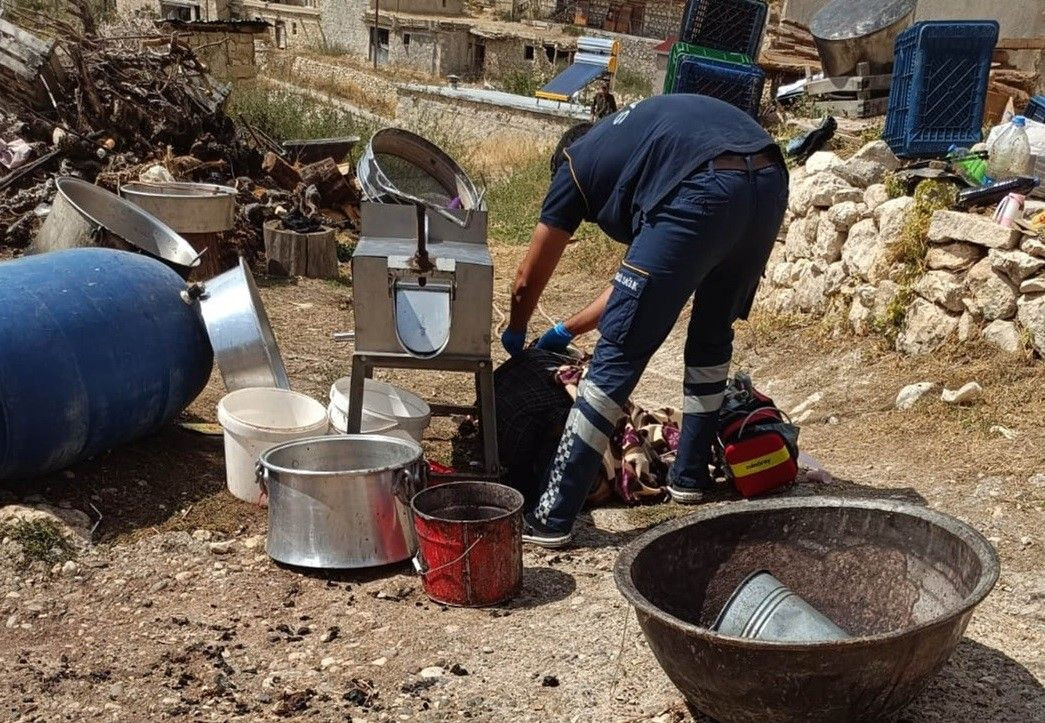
[[631, 160]]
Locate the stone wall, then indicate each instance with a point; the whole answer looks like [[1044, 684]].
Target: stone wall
[[301, 25], [836, 258], [365, 89], [227, 55], [489, 123], [344, 27]]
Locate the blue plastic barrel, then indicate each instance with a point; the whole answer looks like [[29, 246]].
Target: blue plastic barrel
[[97, 348]]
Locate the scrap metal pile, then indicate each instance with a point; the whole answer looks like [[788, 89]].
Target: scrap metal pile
[[109, 104]]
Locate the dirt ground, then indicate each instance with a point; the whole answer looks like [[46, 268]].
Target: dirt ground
[[176, 613]]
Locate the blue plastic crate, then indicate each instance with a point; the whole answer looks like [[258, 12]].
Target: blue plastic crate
[[1036, 109], [939, 86], [734, 83], [735, 26]]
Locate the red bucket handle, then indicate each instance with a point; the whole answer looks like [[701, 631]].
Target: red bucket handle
[[423, 570]]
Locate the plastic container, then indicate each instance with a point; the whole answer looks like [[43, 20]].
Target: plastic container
[[679, 50], [469, 538], [939, 86], [1036, 108], [736, 26], [1009, 210], [97, 349], [385, 408], [968, 165], [1010, 155], [739, 85], [258, 418]]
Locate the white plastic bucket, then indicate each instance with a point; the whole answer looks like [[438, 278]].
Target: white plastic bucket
[[258, 418], [383, 404]]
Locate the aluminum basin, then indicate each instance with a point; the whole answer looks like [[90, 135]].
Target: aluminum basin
[[185, 207], [900, 578]]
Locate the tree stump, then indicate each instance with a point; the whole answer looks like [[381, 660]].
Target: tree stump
[[289, 253]]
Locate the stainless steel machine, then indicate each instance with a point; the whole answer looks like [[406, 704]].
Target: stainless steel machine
[[423, 299]]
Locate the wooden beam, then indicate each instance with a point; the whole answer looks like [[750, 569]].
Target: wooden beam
[[1021, 44]]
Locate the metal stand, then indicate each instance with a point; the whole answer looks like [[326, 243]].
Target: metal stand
[[857, 96], [364, 363]]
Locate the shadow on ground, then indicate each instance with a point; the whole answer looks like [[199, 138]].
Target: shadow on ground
[[167, 479]]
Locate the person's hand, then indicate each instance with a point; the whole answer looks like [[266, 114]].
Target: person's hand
[[513, 341], [555, 339]]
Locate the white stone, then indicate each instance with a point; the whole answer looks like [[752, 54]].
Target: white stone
[[847, 195], [875, 195], [926, 328], [942, 288], [69, 568], [808, 403], [862, 250], [834, 278], [880, 153], [1033, 286], [844, 215], [967, 394], [1032, 318], [829, 189], [884, 294], [801, 235], [968, 329], [221, 548], [861, 172], [1009, 434], [860, 315], [956, 256], [432, 672], [780, 275], [822, 161], [811, 290], [1033, 246], [910, 394], [980, 230], [327, 662], [1003, 335], [1017, 265], [991, 295], [891, 217], [829, 241], [800, 198], [780, 301]]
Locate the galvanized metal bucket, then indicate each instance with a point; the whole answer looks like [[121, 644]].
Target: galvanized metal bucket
[[185, 207], [341, 502], [763, 608]]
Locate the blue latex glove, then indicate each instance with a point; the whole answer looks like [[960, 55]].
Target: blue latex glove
[[513, 341], [555, 339]]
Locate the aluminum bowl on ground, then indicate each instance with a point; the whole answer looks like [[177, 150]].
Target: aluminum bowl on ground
[[901, 579]]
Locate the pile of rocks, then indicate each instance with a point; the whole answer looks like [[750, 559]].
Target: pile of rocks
[[834, 257]]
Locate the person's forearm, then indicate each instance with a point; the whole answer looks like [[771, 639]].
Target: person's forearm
[[536, 269], [588, 318]]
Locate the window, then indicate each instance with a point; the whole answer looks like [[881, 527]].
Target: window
[[549, 52], [528, 52], [293, 28], [281, 35], [406, 42], [381, 34], [180, 11]]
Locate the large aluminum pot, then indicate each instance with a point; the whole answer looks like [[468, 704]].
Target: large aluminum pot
[[849, 32], [83, 214], [185, 207], [341, 502], [244, 345]]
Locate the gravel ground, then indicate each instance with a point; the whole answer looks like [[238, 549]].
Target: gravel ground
[[177, 614]]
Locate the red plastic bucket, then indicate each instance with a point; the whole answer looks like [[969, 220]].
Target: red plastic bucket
[[469, 538]]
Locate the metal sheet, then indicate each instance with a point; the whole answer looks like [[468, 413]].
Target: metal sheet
[[422, 316], [848, 19]]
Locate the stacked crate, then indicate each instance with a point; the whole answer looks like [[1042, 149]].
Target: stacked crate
[[718, 42]]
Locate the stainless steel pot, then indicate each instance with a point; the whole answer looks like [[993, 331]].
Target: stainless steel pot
[[186, 207], [244, 345], [849, 32], [341, 502], [83, 214]]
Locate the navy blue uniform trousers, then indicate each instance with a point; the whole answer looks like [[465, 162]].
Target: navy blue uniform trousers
[[709, 241]]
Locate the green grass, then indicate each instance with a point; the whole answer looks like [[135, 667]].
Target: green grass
[[631, 84], [41, 540], [910, 249], [514, 201], [522, 81], [285, 115]]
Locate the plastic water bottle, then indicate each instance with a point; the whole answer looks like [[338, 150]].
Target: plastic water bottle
[[1010, 153]]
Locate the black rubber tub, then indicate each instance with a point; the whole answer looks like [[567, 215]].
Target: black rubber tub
[[901, 579]]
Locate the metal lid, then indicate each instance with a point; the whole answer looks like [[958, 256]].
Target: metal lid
[[122, 218], [239, 330], [848, 19]]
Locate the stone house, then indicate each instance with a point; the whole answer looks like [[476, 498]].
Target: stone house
[[650, 19]]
